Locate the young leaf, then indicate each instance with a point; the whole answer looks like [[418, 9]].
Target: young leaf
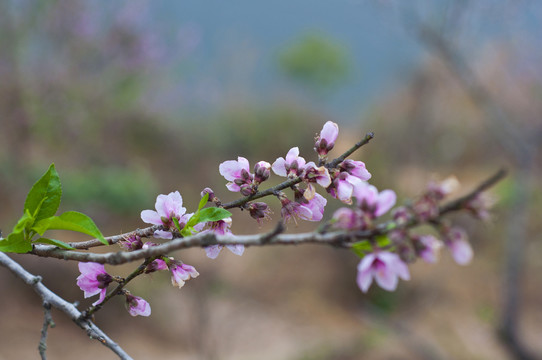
[[213, 214], [45, 192], [70, 220], [25, 222], [361, 248], [176, 222], [203, 201], [383, 240], [58, 243], [15, 243], [187, 231]]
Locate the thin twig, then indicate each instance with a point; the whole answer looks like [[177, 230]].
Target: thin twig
[[59, 303], [118, 289], [333, 164], [47, 322]]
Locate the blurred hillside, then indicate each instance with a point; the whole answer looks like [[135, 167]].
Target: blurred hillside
[[118, 98]]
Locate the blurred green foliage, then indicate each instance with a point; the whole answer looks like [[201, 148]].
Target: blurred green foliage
[[119, 190], [316, 61]]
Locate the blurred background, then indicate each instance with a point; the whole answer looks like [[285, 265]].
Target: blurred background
[[131, 99]]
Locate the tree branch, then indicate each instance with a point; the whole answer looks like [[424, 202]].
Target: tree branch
[[56, 301], [337, 238]]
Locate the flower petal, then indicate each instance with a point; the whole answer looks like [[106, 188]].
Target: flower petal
[[230, 169], [237, 249], [330, 131], [213, 251], [461, 251], [292, 155], [364, 279], [279, 167], [385, 201], [151, 217], [162, 234]]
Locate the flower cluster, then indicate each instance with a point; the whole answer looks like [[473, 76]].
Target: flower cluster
[[385, 249], [385, 266]]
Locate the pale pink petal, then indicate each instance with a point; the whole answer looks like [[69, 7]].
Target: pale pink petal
[[91, 268], [160, 205], [190, 270], [151, 217], [385, 277], [233, 187], [230, 169], [461, 251], [174, 203], [101, 298], [364, 279], [161, 234], [316, 205], [292, 155], [385, 201], [237, 249], [243, 164], [213, 251], [279, 167], [138, 306], [366, 262], [344, 190], [300, 162], [304, 212], [329, 132], [324, 180]]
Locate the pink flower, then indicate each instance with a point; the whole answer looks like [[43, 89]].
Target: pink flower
[[222, 227], [348, 219], [343, 186], [356, 168], [317, 174], [326, 140], [137, 306], [385, 267], [292, 166], [428, 248], [310, 210], [373, 202], [156, 265], [316, 205], [293, 210], [93, 280], [181, 272], [456, 240], [167, 207], [238, 173]]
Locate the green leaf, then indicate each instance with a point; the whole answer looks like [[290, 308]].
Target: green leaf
[[24, 223], [362, 247], [176, 222], [213, 214], [70, 220], [383, 241], [44, 198], [187, 231], [203, 201], [58, 243], [15, 243]]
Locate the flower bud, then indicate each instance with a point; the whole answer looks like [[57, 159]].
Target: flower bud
[[259, 210], [262, 170], [131, 243], [326, 140], [211, 193], [247, 190]]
